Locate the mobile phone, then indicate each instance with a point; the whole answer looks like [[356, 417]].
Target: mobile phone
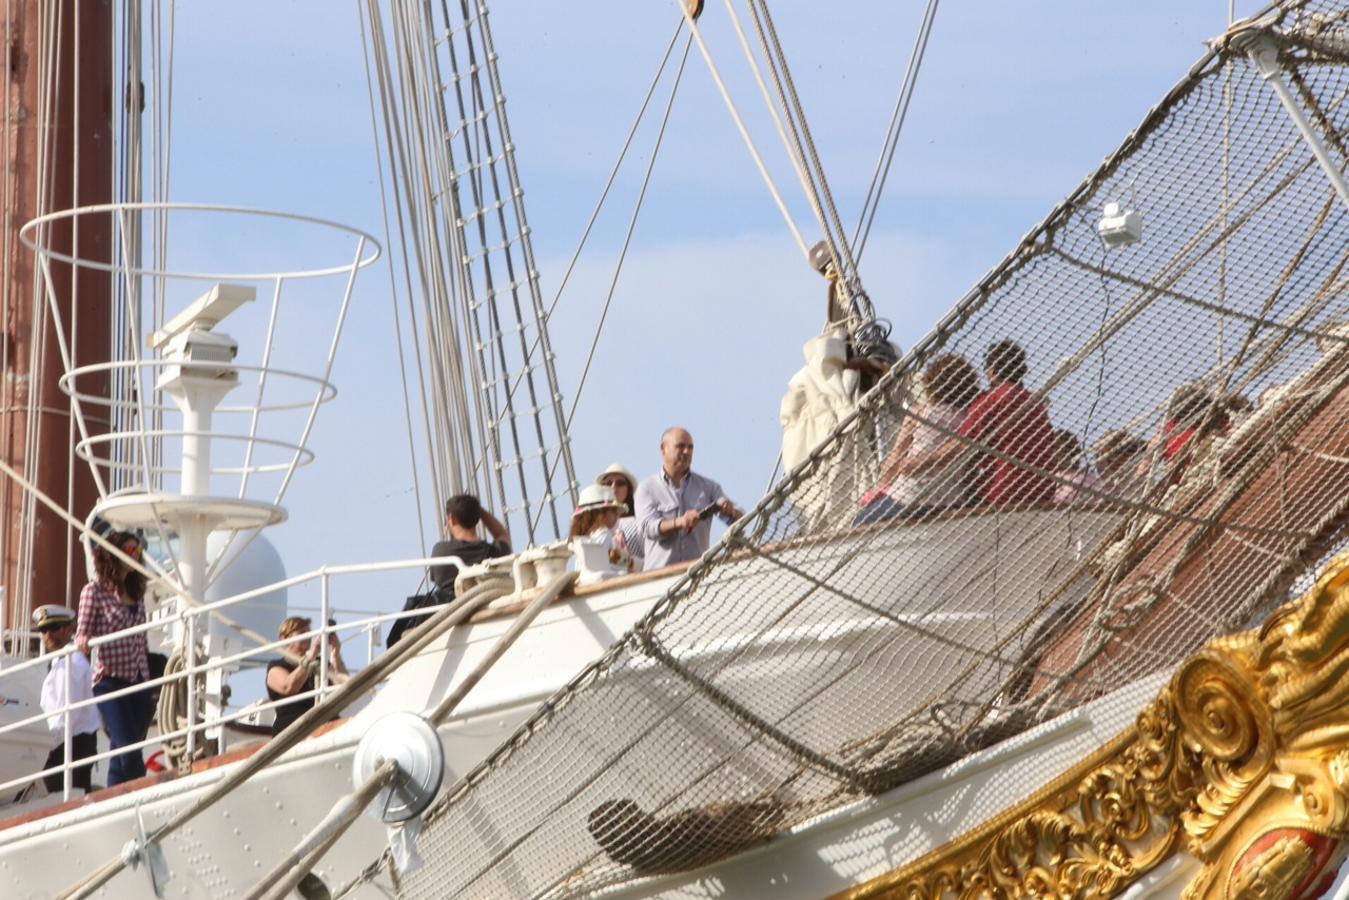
[[709, 511]]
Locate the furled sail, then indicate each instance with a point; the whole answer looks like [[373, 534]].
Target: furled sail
[[819, 396], [1163, 451]]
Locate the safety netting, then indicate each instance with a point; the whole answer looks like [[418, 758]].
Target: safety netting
[[1129, 437]]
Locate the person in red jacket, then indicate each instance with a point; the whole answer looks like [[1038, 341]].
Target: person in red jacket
[[1011, 422]]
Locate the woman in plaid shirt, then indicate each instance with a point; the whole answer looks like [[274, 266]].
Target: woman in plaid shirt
[[114, 601]]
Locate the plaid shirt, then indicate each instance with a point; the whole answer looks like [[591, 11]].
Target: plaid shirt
[[102, 612]]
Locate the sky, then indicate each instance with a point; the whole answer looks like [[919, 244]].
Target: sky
[[1014, 106]]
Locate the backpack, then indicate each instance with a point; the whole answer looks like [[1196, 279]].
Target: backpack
[[417, 601]]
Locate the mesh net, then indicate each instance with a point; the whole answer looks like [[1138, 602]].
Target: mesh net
[[1159, 455]]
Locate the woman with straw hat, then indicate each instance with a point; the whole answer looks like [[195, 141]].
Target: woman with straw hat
[[596, 519], [624, 485]]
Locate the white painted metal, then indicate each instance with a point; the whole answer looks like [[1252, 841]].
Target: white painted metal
[[1262, 50]]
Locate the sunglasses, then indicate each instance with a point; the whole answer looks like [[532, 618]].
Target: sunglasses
[[615, 482]]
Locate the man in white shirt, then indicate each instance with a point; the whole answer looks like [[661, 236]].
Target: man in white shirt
[[57, 626], [675, 505]]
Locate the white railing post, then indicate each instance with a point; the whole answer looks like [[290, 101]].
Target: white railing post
[[67, 773], [190, 689], [323, 637]]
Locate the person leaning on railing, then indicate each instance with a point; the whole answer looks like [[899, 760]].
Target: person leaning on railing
[[286, 678], [60, 689], [115, 601], [675, 505], [463, 515], [907, 489]]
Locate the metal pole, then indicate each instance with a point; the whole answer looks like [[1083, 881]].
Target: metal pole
[[191, 691], [1264, 53], [66, 771], [324, 660]]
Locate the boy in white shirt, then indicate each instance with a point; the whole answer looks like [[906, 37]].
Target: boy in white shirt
[[57, 626]]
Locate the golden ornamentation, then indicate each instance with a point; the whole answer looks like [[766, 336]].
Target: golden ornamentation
[[1241, 760], [1276, 872]]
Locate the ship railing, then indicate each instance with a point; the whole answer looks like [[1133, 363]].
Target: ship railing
[[367, 626], [192, 621]]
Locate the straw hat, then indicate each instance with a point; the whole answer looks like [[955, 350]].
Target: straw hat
[[618, 469], [596, 496]]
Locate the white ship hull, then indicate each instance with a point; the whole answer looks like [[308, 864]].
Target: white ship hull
[[226, 849]]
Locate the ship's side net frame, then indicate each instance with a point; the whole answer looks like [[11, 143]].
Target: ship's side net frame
[[1175, 460]]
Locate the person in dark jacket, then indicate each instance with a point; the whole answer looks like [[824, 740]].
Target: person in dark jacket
[[463, 515]]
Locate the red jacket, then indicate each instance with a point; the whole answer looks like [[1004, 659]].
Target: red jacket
[[1010, 420]]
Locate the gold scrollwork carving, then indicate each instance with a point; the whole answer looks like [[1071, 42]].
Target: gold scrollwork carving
[[1244, 755]]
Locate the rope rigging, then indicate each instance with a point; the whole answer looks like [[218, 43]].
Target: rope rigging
[[469, 274], [891, 142], [627, 237]]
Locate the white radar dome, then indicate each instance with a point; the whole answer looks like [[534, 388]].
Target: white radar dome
[[246, 566]]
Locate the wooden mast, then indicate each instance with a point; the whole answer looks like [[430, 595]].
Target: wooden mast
[[57, 154]]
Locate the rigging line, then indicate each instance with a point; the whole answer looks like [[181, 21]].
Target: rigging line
[[632, 227], [484, 361], [786, 72], [434, 155], [792, 144], [604, 194], [484, 172], [744, 133], [627, 241], [76, 108], [393, 288], [399, 165], [36, 314], [491, 355], [163, 248], [444, 328], [531, 272], [891, 143], [7, 292], [796, 148]]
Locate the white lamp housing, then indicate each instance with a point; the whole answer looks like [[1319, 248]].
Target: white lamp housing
[[1120, 227]]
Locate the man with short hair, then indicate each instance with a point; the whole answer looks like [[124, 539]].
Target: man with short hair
[[1009, 418], [56, 624], [463, 513], [675, 506]]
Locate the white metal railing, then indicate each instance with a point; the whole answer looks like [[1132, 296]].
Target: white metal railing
[[191, 619]]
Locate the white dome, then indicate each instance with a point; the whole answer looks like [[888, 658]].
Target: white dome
[[247, 565]]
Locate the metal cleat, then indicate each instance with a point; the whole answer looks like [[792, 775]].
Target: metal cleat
[[537, 566]]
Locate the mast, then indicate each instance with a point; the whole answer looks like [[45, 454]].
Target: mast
[[57, 154]]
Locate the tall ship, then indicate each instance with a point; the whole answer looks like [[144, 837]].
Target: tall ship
[[1052, 603]]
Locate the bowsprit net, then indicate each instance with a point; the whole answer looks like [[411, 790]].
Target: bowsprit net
[[1171, 460]]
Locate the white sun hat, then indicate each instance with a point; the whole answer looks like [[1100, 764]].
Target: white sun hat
[[618, 469], [596, 496]]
